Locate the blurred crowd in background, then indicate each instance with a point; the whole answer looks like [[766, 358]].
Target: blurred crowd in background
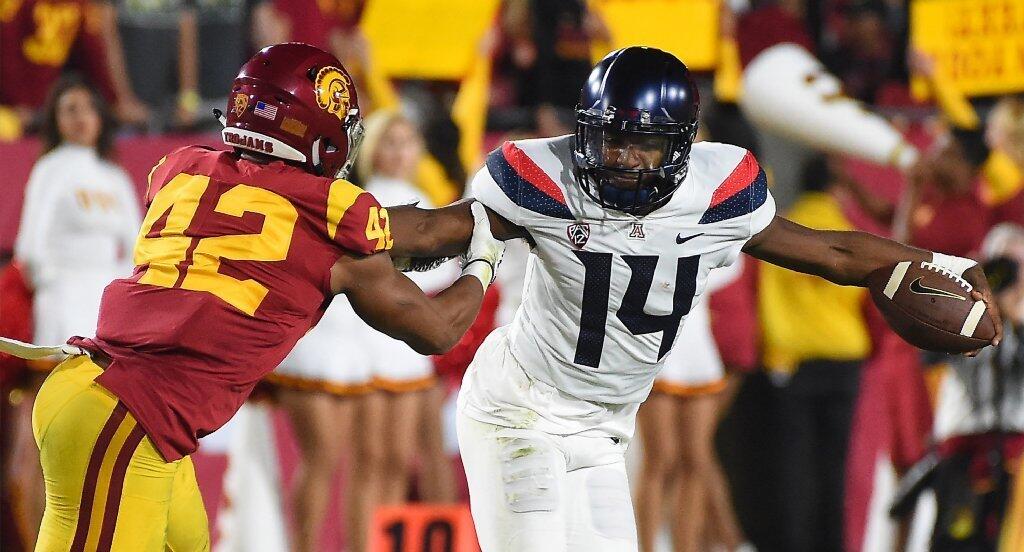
[[828, 433]]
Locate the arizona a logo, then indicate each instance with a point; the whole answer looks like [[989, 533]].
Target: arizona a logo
[[637, 232], [578, 234]]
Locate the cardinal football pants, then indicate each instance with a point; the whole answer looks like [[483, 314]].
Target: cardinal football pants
[[107, 488]]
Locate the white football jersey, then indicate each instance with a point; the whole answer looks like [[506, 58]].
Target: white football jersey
[[606, 293]]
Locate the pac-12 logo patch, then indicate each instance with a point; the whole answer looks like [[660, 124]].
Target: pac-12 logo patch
[[333, 91], [578, 234]]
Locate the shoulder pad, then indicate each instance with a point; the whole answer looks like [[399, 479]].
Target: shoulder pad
[[525, 183]]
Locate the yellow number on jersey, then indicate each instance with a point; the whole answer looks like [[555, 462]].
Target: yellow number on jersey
[[375, 231], [271, 244], [163, 253], [179, 200]]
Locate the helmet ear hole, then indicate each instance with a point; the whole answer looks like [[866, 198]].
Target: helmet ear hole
[[311, 74]]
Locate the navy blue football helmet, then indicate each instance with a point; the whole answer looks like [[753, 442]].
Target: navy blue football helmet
[[635, 125]]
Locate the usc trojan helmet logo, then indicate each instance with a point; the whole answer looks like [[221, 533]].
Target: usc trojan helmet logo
[[333, 91]]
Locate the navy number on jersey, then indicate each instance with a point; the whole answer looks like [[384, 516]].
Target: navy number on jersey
[[596, 287]]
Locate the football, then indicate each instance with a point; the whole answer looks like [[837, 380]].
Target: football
[[931, 308]]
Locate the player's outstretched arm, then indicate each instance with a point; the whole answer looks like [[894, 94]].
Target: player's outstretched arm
[[848, 257], [442, 232], [392, 303]]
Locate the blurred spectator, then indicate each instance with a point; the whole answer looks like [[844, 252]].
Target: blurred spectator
[[956, 192], [968, 500], [562, 35], [316, 22], [943, 207], [162, 38], [1001, 174], [941, 199], [772, 22], [409, 399], [39, 39], [230, 31], [1004, 133], [677, 426], [79, 221], [162, 56], [519, 53], [430, 105], [722, 118], [815, 340], [862, 59], [1006, 128], [325, 396], [381, 393]]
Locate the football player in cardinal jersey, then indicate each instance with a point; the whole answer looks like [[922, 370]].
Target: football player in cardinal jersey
[[238, 256], [625, 218]]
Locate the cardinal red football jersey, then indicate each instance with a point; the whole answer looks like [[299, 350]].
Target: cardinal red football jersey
[[233, 266]]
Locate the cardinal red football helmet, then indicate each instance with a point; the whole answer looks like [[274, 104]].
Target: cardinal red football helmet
[[296, 102]]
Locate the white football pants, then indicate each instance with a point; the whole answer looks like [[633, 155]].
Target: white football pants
[[533, 491]]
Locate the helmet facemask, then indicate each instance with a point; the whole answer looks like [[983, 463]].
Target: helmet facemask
[[630, 166], [354, 130]]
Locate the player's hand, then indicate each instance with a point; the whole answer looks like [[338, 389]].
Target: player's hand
[[976, 277], [485, 251]]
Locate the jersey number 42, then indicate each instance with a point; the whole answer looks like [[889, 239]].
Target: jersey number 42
[[179, 201]]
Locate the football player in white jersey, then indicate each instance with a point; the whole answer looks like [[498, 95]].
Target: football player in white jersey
[[625, 219]]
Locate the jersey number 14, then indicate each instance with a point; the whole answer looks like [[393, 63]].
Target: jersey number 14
[[596, 288]]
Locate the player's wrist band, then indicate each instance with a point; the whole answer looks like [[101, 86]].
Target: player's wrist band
[[481, 269], [956, 265]]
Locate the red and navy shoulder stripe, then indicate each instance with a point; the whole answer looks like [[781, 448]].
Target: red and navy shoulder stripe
[[742, 192], [526, 184]]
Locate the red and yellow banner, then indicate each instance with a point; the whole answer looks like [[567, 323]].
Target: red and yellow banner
[[978, 45]]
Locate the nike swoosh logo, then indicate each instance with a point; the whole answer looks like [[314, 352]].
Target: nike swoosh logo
[[681, 239], [917, 287]]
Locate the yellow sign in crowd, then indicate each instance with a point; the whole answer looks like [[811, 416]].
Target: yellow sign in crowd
[[978, 45], [686, 28]]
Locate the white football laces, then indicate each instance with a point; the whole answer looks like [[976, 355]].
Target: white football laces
[[947, 272]]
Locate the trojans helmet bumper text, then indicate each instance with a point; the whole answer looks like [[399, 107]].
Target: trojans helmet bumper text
[[635, 98], [296, 102]]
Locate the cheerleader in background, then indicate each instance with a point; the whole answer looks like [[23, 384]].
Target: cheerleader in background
[[347, 386], [78, 224], [677, 429], [408, 400]]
